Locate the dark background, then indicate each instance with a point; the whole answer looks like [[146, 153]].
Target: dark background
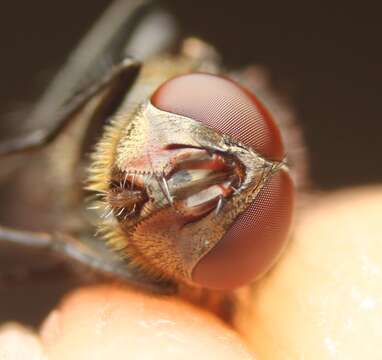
[[327, 59]]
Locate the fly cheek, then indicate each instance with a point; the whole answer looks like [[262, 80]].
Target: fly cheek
[[258, 234]]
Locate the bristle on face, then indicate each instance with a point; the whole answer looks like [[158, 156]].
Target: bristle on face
[[99, 178]]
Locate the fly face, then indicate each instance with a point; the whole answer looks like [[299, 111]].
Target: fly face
[[196, 184]]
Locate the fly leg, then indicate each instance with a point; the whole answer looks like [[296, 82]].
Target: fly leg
[[103, 60], [76, 252], [115, 82]]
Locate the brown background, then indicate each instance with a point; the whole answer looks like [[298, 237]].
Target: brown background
[[326, 58]]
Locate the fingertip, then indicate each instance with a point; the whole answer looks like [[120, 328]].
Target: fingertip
[[114, 322], [19, 342]]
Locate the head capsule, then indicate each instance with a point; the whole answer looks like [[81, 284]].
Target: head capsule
[[198, 185]]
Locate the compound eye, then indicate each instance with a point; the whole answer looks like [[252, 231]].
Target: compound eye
[[225, 106]]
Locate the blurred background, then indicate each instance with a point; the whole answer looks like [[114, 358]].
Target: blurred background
[[327, 59]]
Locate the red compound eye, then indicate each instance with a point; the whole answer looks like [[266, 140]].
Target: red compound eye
[[257, 235], [222, 105]]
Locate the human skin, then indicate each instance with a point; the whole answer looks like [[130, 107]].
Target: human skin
[[323, 300]]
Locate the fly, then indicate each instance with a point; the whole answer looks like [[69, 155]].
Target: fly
[[149, 162]]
